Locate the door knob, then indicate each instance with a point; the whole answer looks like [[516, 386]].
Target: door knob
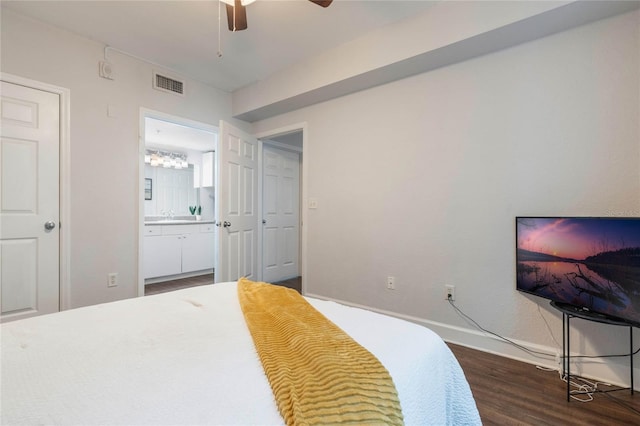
[[49, 225], [226, 224]]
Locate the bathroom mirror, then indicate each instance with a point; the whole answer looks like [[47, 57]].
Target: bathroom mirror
[[172, 191]]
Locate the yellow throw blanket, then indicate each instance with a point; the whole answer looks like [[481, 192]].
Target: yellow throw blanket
[[318, 373]]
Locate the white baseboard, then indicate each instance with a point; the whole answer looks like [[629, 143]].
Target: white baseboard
[[597, 369], [177, 277]]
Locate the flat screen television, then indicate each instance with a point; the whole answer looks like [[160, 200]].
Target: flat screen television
[[590, 264]]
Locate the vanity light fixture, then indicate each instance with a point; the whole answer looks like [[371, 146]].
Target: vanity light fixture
[[154, 159], [166, 159], [177, 162]]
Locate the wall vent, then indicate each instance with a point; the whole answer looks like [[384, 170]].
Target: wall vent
[[168, 84]]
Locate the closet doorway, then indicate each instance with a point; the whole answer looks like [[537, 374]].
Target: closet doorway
[[281, 206]]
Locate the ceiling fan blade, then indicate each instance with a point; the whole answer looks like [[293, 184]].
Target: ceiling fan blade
[[323, 3], [236, 16]]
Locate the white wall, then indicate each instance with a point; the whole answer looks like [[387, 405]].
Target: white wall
[[422, 178], [104, 149]]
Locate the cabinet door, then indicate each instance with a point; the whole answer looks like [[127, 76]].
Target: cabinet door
[[197, 252], [208, 169], [162, 255]]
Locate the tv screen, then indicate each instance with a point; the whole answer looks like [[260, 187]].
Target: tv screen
[[589, 263]]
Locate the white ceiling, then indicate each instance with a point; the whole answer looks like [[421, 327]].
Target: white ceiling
[[168, 135], [164, 134], [183, 35]]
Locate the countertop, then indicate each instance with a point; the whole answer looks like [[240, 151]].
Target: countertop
[[177, 222]]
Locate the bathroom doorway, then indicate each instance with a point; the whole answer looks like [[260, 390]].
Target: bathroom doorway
[[177, 178]]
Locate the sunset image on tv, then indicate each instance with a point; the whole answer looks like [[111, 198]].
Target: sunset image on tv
[[589, 263]]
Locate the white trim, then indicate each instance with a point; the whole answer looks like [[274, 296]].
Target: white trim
[[65, 179], [260, 254], [283, 146], [157, 280], [304, 188], [146, 112]]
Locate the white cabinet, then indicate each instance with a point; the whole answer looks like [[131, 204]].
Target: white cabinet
[[162, 256], [197, 249], [178, 249], [204, 176], [208, 169], [196, 176]]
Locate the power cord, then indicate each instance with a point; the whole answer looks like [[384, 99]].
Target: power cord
[[537, 354], [553, 337], [607, 356], [531, 351], [587, 388]]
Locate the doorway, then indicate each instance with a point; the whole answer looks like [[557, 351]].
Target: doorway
[[35, 183], [177, 237], [283, 235]]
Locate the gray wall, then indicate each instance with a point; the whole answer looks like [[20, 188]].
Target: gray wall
[[422, 178]]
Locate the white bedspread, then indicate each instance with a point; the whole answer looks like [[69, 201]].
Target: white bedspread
[[186, 358]]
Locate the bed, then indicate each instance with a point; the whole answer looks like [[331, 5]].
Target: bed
[[187, 358]]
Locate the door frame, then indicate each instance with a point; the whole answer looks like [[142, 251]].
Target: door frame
[[64, 94], [146, 112], [296, 127]]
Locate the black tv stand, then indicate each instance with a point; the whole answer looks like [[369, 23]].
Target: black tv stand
[[570, 311]]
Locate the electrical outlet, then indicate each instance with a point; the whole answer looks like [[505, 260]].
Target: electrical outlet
[[391, 283], [449, 292], [112, 279]]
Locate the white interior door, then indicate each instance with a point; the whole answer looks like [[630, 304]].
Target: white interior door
[[280, 215], [29, 202], [237, 205]]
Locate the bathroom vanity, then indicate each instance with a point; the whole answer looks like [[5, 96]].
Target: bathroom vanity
[[178, 248]]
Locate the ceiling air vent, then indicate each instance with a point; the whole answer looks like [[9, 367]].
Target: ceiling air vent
[[168, 84]]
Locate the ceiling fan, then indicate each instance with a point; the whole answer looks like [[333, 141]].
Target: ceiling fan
[[237, 12]]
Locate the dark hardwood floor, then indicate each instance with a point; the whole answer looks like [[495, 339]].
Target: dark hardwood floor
[[509, 392], [150, 289], [172, 285]]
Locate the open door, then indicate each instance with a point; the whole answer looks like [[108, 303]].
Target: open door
[[237, 213]]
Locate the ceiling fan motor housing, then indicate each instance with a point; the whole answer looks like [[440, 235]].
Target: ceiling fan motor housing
[[237, 13]]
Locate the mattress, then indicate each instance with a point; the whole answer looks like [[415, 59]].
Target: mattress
[[186, 357]]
